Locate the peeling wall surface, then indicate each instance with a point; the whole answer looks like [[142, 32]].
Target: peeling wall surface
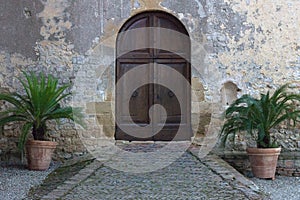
[[20, 26], [255, 45]]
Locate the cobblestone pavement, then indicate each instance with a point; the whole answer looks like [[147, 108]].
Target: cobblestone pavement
[[188, 177]]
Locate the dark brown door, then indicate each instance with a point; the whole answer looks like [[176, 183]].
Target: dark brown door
[[150, 40]]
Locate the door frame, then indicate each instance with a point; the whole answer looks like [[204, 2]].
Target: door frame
[[127, 25]]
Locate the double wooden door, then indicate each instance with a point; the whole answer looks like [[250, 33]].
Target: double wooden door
[[152, 48]]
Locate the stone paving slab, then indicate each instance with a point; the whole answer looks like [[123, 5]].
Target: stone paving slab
[[188, 177], [230, 175]]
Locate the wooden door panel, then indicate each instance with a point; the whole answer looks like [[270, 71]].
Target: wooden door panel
[[170, 31], [169, 101], [139, 100], [172, 51], [135, 43], [177, 113]]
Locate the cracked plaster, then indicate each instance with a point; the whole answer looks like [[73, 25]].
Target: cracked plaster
[[270, 49], [254, 44]]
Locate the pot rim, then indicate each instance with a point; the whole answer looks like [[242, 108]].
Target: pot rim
[[254, 150], [41, 142]]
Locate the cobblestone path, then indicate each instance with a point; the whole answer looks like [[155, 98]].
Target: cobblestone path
[[186, 178]]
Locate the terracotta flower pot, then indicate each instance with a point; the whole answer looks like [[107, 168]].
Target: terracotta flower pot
[[39, 154], [263, 161]]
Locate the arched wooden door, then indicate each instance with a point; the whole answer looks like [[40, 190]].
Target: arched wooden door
[[152, 47]]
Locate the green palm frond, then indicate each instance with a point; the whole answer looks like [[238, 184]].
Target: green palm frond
[[12, 118], [26, 127], [260, 115], [40, 103]]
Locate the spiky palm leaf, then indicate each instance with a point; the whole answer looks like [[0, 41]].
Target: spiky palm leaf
[[260, 115], [40, 103]]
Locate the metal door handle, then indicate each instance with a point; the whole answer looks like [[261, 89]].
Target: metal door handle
[[171, 94], [135, 94]]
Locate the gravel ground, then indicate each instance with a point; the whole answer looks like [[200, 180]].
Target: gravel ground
[[282, 188], [16, 181]]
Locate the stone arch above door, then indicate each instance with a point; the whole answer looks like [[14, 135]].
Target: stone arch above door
[[153, 39]]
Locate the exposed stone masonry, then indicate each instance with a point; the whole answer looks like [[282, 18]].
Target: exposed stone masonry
[[252, 44]]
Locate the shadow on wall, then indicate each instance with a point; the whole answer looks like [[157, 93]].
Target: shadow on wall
[[229, 93]]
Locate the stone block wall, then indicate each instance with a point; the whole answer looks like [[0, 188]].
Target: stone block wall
[[238, 47], [288, 162], [8, 138]]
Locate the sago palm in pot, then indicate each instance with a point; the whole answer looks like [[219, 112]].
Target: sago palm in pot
[[257, 117], [38, 104]]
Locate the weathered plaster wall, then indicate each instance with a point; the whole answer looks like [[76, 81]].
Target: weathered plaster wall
[[266, 53], [19, 20], [252, 44]]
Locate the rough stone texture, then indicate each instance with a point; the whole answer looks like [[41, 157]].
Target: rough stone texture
[[189, 177], [287, 138], [287, 165], [257, 58], [284, 135], [248, 43]]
